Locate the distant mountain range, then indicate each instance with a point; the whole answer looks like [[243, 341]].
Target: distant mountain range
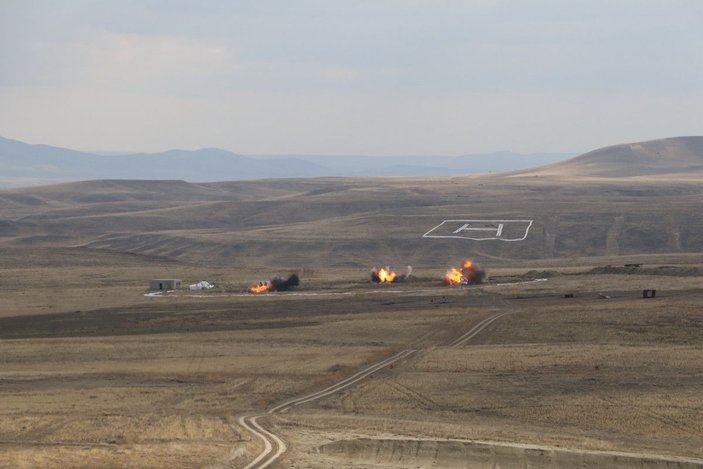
[[25, 164]]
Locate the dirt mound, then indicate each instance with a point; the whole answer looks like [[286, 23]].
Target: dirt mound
[[535, 274], [432, 453], [668, 270]]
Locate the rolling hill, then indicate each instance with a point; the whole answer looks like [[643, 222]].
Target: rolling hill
[[355, 222], [575, 211], [679, 155]]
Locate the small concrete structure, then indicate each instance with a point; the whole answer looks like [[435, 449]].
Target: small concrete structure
[[165, 284], [649, 293]]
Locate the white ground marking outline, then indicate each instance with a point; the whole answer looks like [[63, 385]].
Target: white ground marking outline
[[499, 230]]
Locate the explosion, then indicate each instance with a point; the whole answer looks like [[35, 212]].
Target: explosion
[[276, 284], [386, 275], [454, 277], [260, 287], [383, 275], [468, 273]]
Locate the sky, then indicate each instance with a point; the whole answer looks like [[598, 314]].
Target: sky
[[371, 77]]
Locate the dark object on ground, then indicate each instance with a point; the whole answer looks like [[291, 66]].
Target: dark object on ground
[[281, 284], [649, 293]]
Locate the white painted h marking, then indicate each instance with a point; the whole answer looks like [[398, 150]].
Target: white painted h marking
[[467, 227]]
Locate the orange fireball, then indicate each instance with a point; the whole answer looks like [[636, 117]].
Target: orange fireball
[[261, 287], [385, 275], [468, 273], [454, 277]]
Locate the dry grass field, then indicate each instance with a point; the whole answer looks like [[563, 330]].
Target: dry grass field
[[160, 381], [94, 373], [331, 222]]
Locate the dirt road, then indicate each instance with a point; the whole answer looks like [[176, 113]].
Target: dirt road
[[275, 447]]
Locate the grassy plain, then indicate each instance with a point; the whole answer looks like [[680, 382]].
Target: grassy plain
[[96, 374], [355, 223], [119, 379]]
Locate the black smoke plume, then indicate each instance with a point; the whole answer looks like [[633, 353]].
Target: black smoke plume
[[281, 284]]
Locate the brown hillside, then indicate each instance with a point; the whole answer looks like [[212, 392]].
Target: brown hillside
[[677, 155], [356, 222]]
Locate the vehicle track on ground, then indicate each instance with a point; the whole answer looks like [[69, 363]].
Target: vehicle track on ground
[[474, 331], [275, 447], [657, 416], [413, 395]]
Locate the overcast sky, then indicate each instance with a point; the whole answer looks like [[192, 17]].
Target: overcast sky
[[378, 77]]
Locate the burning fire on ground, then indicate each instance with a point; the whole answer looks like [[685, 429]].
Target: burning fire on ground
[[276, 284], [386, 275], [468, 273]]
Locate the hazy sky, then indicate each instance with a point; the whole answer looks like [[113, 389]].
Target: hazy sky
[[374, 77]]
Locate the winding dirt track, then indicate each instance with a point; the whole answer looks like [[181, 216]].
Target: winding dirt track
[[274, 446]]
